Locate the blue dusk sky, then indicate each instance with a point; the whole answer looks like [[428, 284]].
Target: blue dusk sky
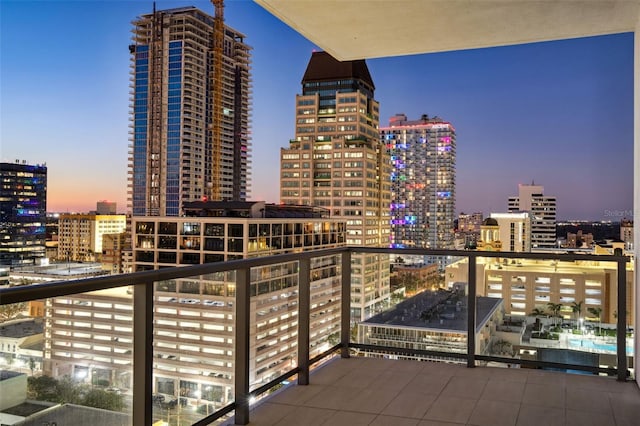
[[557, 113]]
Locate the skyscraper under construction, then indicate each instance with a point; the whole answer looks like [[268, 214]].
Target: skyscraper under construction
[[189, 141]]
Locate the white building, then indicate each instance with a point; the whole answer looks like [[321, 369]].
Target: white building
[[531, 199]]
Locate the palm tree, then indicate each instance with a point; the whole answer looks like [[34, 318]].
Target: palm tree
[[596, 313], [576, 307], [537, 312], [555, 309]]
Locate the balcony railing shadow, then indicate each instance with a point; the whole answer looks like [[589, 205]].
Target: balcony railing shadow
[[240, 334]]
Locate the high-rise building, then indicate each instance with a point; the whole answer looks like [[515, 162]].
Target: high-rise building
[[80, 235], [423, 182], [23, 213], [336, 161], [173, 158], [531, 199]]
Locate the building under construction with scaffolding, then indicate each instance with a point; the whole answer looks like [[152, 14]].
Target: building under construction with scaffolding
[[190, 111]]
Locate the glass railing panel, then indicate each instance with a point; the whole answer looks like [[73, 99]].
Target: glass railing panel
[[74, 349], [553, 310], [273, 322], [193, 369], [401, 308]]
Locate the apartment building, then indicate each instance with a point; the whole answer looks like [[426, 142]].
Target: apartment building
[[80, 236], [182, 147], [194, 317], [336, 161], [423, 184]]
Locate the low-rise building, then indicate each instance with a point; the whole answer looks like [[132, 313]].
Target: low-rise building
[[435, 321], [21, 343], [80, 235]]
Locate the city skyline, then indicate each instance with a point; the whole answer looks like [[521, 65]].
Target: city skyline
[[562, 109]]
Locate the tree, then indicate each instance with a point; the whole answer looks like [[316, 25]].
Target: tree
[[32, 365], [42, 388], [11, 311], [596, 312], [537, 312], [576, 307], [99, 398], [65, 391], [555, 309]]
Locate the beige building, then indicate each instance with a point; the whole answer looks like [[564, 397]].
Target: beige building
[[528, 284], [80, 235], [337, 161], [514, 230], [113, 248], [194, 317]]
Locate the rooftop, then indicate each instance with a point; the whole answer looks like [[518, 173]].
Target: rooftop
[[21, 328], [437, 310]]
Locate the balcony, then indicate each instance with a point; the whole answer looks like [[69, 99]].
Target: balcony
[[241, 347]]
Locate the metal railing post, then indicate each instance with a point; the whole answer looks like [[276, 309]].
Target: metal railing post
[[622, 321], [471, 313], [304, 303], [142, 353], [345, 308], [241, 383]]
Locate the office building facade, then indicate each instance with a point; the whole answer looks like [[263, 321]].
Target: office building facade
[[174, 156], [423, 181], [531, 199], [23, 213], [336, 161]]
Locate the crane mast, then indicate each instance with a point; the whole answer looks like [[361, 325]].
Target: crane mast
[[217, 108]]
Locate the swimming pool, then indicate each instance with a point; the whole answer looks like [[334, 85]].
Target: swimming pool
[[590, 344]]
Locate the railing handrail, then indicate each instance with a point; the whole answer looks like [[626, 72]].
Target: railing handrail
[[25, 293]]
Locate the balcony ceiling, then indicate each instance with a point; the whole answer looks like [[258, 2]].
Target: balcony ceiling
[[362, 29]]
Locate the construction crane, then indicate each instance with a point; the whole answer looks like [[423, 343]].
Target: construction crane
[[217, 107]]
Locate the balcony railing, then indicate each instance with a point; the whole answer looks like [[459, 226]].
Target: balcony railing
[[143, 318]]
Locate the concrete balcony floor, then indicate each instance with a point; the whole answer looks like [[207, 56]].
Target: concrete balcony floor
[[377, 392]]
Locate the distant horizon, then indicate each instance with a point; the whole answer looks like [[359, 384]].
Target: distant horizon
[[559, 113]]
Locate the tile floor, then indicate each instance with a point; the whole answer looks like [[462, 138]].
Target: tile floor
[[376, 392]]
